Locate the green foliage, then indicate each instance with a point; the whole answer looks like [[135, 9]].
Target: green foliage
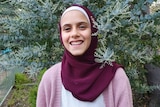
[[19, 97], [156, 60], [39, 77], [126, 33], [33, 96], [32, 35], [33, 91], [20, 91], [131, 33], [25, 90], [21, 78], [104, 56]]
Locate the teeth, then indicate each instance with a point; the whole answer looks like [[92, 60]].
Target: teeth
[[76, 43]]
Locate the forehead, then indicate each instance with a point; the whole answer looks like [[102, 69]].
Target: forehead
[[73, 16]]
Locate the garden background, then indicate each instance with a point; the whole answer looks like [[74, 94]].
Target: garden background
[[129, 32]]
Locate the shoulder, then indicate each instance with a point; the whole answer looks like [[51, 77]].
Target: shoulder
[[52, 73], [120, 74], [121, 81], [49, 87], [120, 77], [119, 90]]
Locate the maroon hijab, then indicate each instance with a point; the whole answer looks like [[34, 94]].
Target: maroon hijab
[[81, 75]]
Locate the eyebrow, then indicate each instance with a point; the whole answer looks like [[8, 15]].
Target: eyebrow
[[79, 23]]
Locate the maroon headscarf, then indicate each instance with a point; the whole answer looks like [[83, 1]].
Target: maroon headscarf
[[81, 75]]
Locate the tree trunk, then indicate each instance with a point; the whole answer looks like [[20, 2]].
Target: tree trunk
[[153, 78]]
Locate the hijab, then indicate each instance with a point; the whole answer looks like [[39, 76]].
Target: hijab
[[81, 75]]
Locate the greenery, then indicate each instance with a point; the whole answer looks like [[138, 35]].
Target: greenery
[[20, 93], [21, 78], [127, 33], [33, 92], [24, 92], [133, 36], [31, 35]]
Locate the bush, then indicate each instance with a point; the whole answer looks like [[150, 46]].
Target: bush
[[31, 34], [33, 91], [21, 78], [127, 34]]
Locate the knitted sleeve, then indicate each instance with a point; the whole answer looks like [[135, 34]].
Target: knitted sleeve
[[49, 89], [119, 93]]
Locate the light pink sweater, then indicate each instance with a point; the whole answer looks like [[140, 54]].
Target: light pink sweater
[[118, 93]]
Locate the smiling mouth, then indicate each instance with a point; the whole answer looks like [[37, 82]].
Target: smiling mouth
[[76, 42]]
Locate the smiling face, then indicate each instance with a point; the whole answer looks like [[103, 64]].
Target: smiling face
[[76, 32]]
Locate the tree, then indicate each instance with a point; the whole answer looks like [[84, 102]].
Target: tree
[[32, 35], [127, 34]]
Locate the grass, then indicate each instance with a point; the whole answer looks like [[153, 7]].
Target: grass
[[20, 93], [24, 92], [19, 97]]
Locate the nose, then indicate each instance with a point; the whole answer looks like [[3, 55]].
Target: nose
[[75, 33]]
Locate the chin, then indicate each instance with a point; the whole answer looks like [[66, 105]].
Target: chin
[[77, 54]]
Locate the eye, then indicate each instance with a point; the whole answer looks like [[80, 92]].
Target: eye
[[67, 29], [82, 27]]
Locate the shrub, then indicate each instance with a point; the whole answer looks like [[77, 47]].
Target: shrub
[[31, 33], [33, 91], [128, 34], [21, 78]]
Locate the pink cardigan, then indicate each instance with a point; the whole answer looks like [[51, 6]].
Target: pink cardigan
[[118, 94]]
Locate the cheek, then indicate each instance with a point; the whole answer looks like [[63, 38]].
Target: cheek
[[64, 38], [89, 41], [88, 37]]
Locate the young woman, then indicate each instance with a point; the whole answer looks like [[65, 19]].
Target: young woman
[[78, 81]]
